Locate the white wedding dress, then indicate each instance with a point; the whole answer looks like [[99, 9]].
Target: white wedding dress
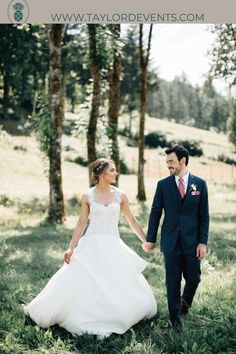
[[102, 290]]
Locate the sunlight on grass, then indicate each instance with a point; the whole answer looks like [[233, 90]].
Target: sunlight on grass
[[30, 254], [31, 251]]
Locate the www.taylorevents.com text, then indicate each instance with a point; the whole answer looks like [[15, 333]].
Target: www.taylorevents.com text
[[126, 17]]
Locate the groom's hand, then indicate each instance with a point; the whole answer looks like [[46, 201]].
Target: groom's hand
[[201, 251], [148, 246]]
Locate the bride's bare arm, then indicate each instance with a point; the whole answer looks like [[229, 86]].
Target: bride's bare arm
[[79, 229], [130, 218]]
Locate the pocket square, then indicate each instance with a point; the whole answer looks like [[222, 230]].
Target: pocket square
[[195, 193]]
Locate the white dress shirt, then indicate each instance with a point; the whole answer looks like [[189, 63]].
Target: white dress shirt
[[185, 179]]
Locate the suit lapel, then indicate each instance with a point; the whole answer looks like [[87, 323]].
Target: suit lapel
[[175, 192], [188, 191]]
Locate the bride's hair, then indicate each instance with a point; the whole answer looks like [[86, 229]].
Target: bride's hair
[[98, 167]]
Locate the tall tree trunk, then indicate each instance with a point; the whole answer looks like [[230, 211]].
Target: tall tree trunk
[[130, 123], [96, 99], [6, 91], [114, 97], [144, 57], [143, 86], [56, 207]]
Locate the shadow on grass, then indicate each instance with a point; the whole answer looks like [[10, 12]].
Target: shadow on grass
[[32, 257], [222, 240], [222, 218], [38, 205], [26, 266]]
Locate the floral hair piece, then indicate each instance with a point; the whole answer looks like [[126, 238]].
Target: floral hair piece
[[100, 166]]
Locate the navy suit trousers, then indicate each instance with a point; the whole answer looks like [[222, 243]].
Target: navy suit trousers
[[178, 264]]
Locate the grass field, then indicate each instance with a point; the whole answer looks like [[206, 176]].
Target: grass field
[[31, 251]]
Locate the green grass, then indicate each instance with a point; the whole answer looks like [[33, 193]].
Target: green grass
[[31, 251]]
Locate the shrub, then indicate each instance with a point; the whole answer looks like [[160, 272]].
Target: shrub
[[133, 140], [192, 146], [68, 148], [155, 139], [124, 132], [19, 147], [68, 126], [227, 160], [74, 201], [5, 201], [79, 160], [124, 169]]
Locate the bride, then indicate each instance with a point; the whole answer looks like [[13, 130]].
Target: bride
[[100, 288]]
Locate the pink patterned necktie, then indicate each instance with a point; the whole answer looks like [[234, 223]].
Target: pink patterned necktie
[[181, 187]]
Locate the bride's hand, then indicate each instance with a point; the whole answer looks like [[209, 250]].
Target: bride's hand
[[68, 255], [148, 246]]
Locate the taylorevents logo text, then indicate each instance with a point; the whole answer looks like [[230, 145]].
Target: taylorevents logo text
[[127, 17], [18, 11]]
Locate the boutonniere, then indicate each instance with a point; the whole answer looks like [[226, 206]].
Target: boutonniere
[[193, 187]]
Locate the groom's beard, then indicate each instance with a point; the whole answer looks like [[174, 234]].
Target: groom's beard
[[174, 171]]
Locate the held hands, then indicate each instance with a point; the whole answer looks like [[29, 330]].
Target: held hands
[[201, 251], [68, 255], [148, 246]]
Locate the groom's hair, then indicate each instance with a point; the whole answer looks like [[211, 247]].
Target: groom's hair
[[180, 152]]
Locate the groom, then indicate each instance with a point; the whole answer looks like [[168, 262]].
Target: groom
[[184, 232]]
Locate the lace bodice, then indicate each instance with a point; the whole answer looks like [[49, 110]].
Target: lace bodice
[[104, 219]]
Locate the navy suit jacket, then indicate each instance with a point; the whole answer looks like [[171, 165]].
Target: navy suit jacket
[[185, 220]]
